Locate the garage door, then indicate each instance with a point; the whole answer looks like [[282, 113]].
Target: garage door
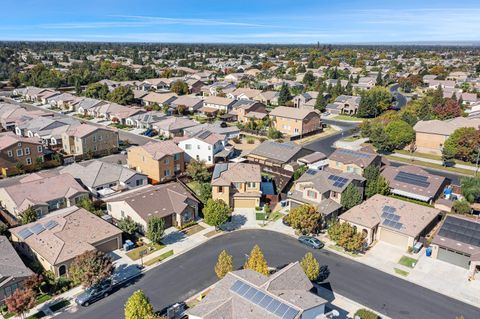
[[393, 238], [453, 257], [245, 203], [108, 246]]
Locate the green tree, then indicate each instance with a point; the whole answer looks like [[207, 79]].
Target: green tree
[[155, 229], [204, 192], [374, 102], [87, 204], [399, 134], [97, 91], [284, 96], [299, 172], [91, 268], [371, 174], [346, 236], [198, 171], [256, 261], [308, 79], [310, 266], [224, 264], [274, 134], [128, 225], [351, 197], [28, 216], [138, 306], [306, 219], [470, 188], [121, 95], [216, 212], [179, 87], [462, 207], [320, 103], [463, 143]]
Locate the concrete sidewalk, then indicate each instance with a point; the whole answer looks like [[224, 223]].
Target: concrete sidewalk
[[428, 160]]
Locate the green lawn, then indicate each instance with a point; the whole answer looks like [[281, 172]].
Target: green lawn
[[432, 156], [351, 138], [410, 200], [38, 315], [431, 165], [134, 254], [341, 250], [195, 187], [8, 315], [347, 118], [159, 258], [261, 216], [276, 215], [407, 261], [43, 298], [193, 230], [60, 305], [401, 272]]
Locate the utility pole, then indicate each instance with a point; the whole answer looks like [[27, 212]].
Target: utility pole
[[476, 164]]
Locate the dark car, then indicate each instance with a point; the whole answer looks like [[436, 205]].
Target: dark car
[[175, 311], [94, 293], [311, 242]]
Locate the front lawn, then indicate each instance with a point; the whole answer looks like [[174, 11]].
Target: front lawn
[[43, 298], [134, 254], [193, 230], [261, 216], [347, 118], [59, 305], [159, 258], [407, 261], [430, 165], [276, 215], [341, 250], [401, 272]]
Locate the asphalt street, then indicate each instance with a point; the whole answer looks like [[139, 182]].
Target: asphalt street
[[400, 99], [191, 272]]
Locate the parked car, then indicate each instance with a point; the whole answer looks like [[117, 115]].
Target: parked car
[[94, 293], [311, 242], [175, 311]]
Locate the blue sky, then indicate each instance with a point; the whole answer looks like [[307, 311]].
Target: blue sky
[[241, 21]]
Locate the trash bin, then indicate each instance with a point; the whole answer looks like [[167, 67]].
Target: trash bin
[[428, 252]]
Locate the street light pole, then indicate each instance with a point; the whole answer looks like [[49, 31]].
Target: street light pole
[[478, 158]]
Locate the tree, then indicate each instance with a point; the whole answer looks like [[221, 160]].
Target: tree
[[299, 172], [128, 225], [179, 87], [34, 282], [463, 144], [284, 95], [306, 219], [346, 236], [138, 306], [399, 134], [320, 103], [122, 95], [374, 102], [20, 301], [155, 229], [310, 266], [256, 261], [224, 264], [198, 171], [216, 212], [28, 216], [462, 207], [87, 204], [274, 134], [379, 81], [204, 192], [91, 268], [351, 197], [470, 188], [97, 91], [308, 79], [371, 174], [447, 110]]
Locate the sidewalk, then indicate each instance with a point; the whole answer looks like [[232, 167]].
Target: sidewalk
[[428, 160]]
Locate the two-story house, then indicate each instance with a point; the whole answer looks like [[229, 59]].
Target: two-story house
[[291, 121], [161, 161], [237, 184], [87, 139], [244, 110], [203, 146], [350, 161], [17, 152], [217, 103]]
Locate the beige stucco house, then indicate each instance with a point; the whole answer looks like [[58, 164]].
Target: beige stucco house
[[293, 121], [87, 139]]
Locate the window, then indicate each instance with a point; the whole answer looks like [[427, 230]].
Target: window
[[296, 130], [176, 157], [198, 147], [122, 214], [27, 150], [94, 148], [311, 194], [166, 161], [197, 157], [62, 270], [237, 185], [177, 167], [19, 152], [220, 189], [10, 154], [100, 137], [209, 158], [139, 182], [94, 138], [166, 172], [209, 147], [188, 146], [252, 184], [29, 161]]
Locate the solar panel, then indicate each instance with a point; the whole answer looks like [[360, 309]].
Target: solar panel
[[258, 297], [265, 301], [24, 233], [465, 231], [311, 172], [290, 314], [242, 290], [50, 224], [412, 179], [37, 229], [354, 153], [281, 310], [236, 286], [273, 305], [250, 293]]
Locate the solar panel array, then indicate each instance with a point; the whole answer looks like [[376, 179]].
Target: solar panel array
[[390, 218], [219, 169], [264, 301], [338, 181], [412, 179], [353, 153], [465, 231], [51, 224], [36, 229], [311, 172], [25, 233]]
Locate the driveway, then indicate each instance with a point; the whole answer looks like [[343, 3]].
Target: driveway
[[191, 272]]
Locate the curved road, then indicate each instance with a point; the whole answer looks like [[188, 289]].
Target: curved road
[[401, 100], [191, 272]]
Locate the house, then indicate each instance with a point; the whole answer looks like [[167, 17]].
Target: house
[[173, 126], [344, 104], [305, 100], [43, 192], [50, 130], [323, 189], [84, 104], [237, 184], [365, 83], [12, 269], [235, 77], [292, 122], [458, 242], [19, 152], [160, 99], [171, 201], [145, 120], [315, 160], [414, 182], [87, 139], [103, 179], [115, 112], [11, 115], [62, 101], [432, 135], [216, 103], [391, 220], [217, 128], [218, 88], [268, 97], [243, 94], [248, 294], [351, 161], [244, 110], [190, 103], [160, 161], [274, 154], [202, 146], [194, 85], [56, 240]]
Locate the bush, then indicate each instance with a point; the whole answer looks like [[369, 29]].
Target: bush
[[366, 314], [250, 140]]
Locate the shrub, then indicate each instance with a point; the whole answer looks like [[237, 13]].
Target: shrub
[[366, 314]]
